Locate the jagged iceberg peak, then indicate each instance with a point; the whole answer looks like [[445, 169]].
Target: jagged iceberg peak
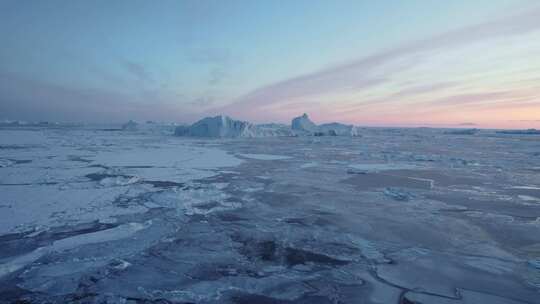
[[130, 126], [303, 123]]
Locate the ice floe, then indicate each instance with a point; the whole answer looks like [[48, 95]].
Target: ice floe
[[265, 156]]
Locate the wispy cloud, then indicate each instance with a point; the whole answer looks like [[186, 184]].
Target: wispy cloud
[[138, 71], [377, 72], [401, 95], [464, 99]]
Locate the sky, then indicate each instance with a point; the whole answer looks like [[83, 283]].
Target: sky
[[374, 63]]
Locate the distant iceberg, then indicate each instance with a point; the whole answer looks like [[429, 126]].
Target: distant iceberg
[[130, 126], [222, 126], [462, 132]]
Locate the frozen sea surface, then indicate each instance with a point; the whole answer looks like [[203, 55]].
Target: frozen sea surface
[[395, 216]]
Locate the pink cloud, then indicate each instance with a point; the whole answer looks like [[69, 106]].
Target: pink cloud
[[377, 70]]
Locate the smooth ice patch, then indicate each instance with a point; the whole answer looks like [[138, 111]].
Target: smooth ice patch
[[113, 234], [526, 187], [220, 186], [51, 205], [491, 265], [22, 137], [265, 156], [369, 168], [529, 198], [168, 156], [309, 165], [490, 216], [117, 233]]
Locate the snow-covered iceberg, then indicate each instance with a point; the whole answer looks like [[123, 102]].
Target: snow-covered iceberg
[[149, 127], [274, 129], [224, 126], [219, 126], [303, 125], [338, 129]]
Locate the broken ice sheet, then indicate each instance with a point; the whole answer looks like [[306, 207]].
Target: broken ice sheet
[[277, 220]]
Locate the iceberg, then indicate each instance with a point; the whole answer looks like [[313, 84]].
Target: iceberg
[[274, 129], [462, 132], [218, 126], [130, 126], [303, 124], [339, 129], [222, 126]]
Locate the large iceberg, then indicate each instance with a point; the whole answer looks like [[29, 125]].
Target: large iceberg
[[338, 129], [218, 126], [224, 126], [303, 125], [274, 129], [149, 127]]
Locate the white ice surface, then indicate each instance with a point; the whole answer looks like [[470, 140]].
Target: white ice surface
[[180, 156], [309, 165], [52, 188], [526, 187], [382, 167], [22, 137], [265, 156]]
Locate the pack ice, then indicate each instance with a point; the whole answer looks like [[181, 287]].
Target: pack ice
[[112, 214]]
